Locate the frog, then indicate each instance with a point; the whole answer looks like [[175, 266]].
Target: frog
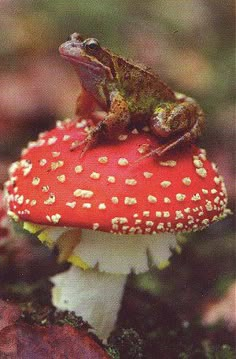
[[118, 94]]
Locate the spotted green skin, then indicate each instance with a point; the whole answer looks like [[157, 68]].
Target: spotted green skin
[[129, 94]]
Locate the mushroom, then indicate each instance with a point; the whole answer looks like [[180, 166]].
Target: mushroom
[[109, 213]]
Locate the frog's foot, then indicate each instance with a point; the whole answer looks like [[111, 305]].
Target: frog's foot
[[87, 143], [162, 150]]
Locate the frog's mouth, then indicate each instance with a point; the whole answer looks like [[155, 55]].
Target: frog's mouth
[[82, 64], [82, 61]]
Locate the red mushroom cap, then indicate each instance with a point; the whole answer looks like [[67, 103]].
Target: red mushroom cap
[[109, 190]]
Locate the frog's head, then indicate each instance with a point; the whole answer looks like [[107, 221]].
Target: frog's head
[[90, 60]]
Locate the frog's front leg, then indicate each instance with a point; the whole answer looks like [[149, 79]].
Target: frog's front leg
[[111, 126], [177, 123]]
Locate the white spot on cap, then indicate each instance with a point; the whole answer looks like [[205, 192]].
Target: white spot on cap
[[42, 162], [123, 162], [160, 226], [115, 200], [187, 210], [55, 165], [158, 214], [95, 175], [130, 201], [205, 191], [27, 169], [169, 163], [149, 223], [103, 159], [187, 181], [166, 214], [196, 197], [65, 138], [61, 178], [147, 174], [167, 200], [146, 213], [71, 204], [217, 180], [86, 205], [209, 206], [56, 154], [51, 199], [217, 200], [179, 215], [83, 193], [152, 199], [111, 179], [35, 181], [165, 184], [121, 220], [45, 188], [102, 206], [56, 218], [52, 140], [130, 181], [180, 197], [33, 202], [78, 169], [197, 163], [20, 199], [202, 172]]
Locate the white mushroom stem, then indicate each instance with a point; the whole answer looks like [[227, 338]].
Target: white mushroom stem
[[96, 292], [96, 296]]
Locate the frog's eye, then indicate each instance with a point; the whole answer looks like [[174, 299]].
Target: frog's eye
[[91, 44]]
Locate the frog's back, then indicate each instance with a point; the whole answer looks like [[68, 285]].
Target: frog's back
[[142, 88]]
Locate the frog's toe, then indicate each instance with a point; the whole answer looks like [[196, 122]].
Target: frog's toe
[[76, 144]]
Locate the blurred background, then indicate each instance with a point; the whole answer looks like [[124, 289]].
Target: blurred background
[[190, 44]]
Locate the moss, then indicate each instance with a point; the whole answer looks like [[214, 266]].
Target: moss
[[113, 352], [128, 343]]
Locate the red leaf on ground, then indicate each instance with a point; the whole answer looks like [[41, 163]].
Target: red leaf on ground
[[23, 341], [9, 313]]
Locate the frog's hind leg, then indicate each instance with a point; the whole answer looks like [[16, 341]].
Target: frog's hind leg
[[180, 122], [187, 137]]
